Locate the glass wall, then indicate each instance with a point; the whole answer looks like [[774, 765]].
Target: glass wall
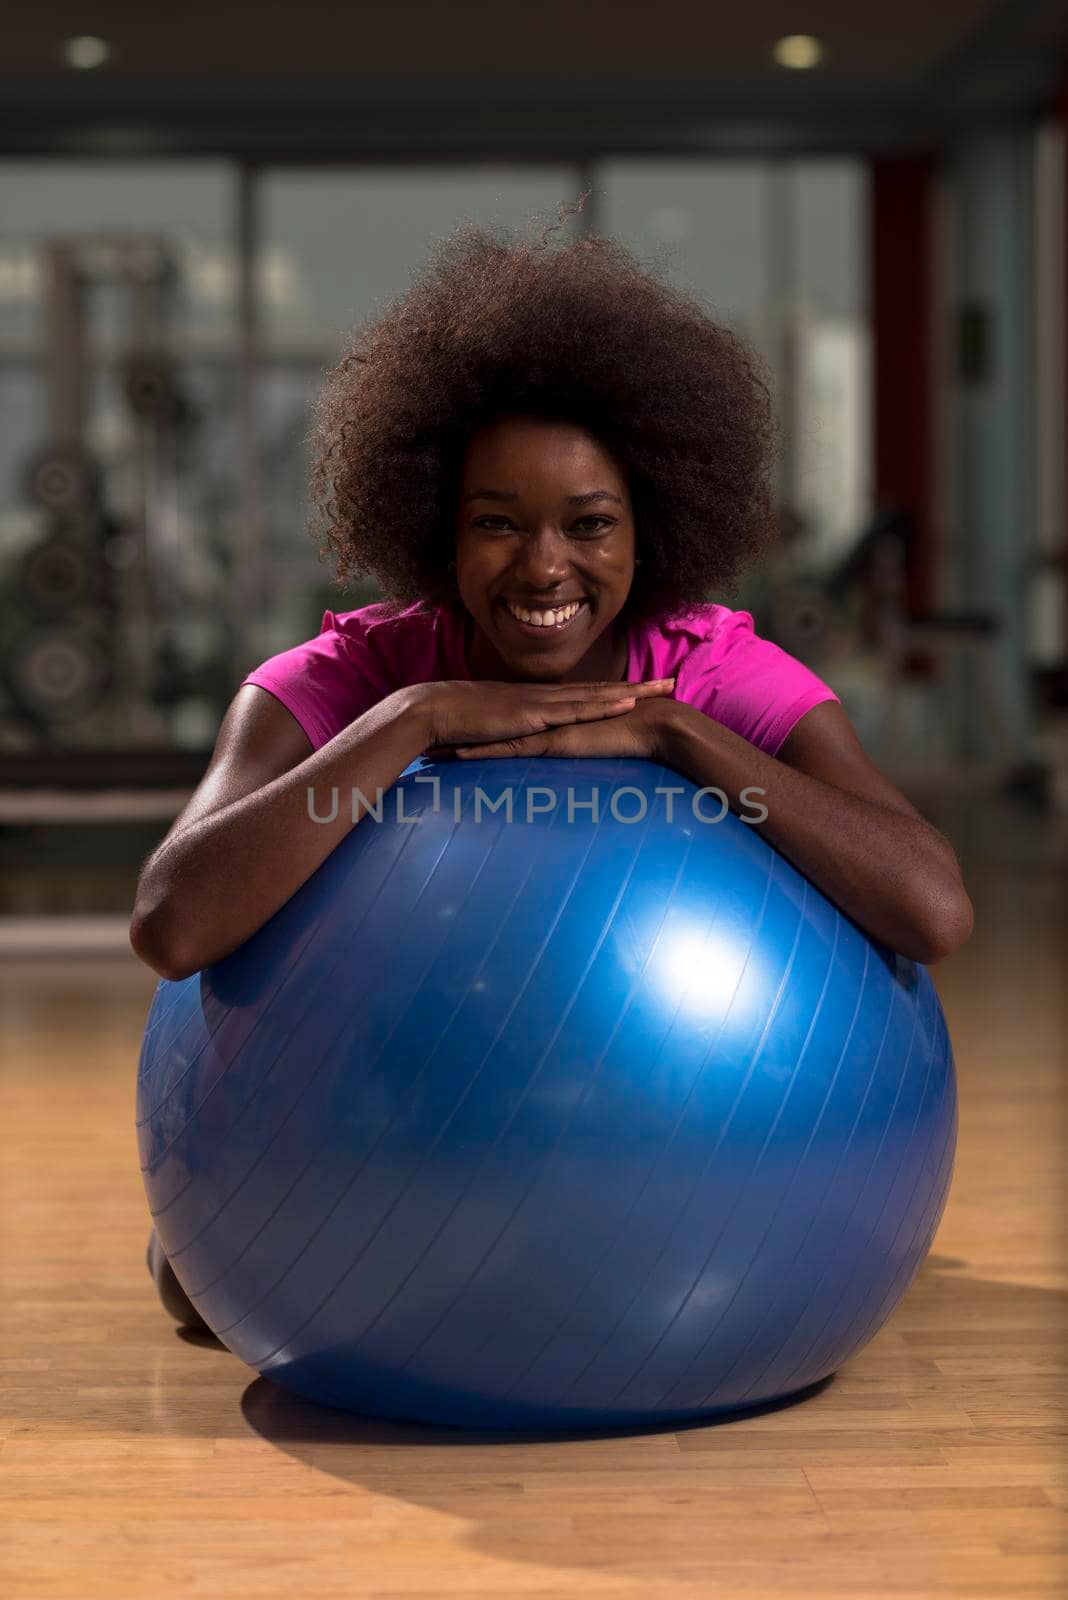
[[777, 251], [118, 501], [155, 393]]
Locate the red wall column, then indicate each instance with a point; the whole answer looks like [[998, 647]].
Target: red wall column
[[1061, 109], [903, 359]]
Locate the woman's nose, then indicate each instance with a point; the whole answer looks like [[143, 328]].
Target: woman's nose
[[543, 558]]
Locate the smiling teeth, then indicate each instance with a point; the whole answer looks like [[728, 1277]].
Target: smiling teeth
[[545, 619]]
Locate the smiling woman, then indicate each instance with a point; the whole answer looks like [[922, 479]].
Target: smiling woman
[[549, 461]]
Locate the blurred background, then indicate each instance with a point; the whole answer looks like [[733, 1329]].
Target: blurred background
[[197, 205]]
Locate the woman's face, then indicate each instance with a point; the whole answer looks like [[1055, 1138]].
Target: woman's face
[[544, 552]]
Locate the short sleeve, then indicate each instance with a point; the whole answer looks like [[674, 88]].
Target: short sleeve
[[326, 682], [749, 684]]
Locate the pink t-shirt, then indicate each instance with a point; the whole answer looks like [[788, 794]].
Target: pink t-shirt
[[719, 663]]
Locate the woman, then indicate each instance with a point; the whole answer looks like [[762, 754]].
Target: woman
[[548, 460]]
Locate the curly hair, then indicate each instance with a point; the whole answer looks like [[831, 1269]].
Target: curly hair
[[580, 332]]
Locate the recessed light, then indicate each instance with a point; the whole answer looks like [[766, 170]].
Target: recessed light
[[85, 51], [798, 50]]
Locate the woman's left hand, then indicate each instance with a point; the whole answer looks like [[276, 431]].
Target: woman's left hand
[[633, 733]]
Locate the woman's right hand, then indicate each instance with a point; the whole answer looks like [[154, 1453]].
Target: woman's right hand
[[458, 711]]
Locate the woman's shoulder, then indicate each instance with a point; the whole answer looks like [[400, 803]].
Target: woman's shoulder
[[726, 669], [382, 614], [358, 658], [413, 644], [666, 642]]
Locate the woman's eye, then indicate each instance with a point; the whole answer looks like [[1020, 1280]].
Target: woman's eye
[[592, 524]]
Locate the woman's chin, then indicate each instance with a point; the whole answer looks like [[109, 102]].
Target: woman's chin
[[538, 666]]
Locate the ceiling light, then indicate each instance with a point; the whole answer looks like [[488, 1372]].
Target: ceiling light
[[798, 50], [85, 51]]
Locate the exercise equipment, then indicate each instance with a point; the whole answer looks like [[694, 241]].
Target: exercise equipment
[[63, 575], [548, 1121], [57, 673], [62, 477], [94, 603]]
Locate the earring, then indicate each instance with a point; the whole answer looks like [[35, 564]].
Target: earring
[[637, 561]]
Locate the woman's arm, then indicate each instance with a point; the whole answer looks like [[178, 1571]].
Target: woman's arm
[[248, 840], [831, 811], [245, 842]]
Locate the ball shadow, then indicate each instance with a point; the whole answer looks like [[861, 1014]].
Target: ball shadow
[[487, 1477], [290, 1422]]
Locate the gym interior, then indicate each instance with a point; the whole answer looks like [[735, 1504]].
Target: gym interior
[[195, 210]]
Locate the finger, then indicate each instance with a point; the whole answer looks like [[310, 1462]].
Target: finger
[[510, 747], [653, 686], [645, 686], [582, 711]]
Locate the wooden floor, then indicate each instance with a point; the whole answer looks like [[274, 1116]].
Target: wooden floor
[[138, 1462]]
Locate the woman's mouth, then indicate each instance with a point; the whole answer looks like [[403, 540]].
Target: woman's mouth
[[546, 621]]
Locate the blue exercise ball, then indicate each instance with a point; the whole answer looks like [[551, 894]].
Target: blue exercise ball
[[518, 1116]]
